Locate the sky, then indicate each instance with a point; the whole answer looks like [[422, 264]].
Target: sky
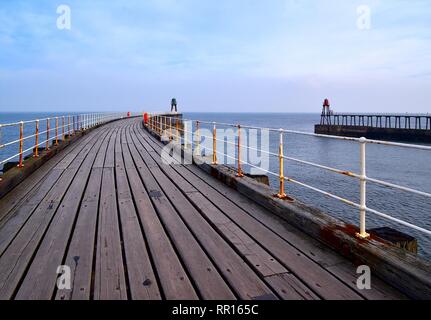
[[216, 56]]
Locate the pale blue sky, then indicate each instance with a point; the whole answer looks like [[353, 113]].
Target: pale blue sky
[[226, 55]]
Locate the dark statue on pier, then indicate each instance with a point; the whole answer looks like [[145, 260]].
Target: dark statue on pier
[[174, 105]]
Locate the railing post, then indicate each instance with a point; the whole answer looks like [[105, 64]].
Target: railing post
[[185, 132], [177, 129], [21, 143], [56, 131], [62, 128], [281, 194], [161, 126], [363, 195], [198, 140], [36, 140], [239, 173], [47, 134], [170, 129], [68, 126], [214, 144]]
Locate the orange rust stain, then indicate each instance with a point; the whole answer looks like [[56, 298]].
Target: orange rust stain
[[348, 173], [328, 235]]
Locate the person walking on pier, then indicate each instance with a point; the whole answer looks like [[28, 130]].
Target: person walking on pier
[[173, 105]]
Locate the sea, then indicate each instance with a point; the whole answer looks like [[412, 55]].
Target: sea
[[405, 167]]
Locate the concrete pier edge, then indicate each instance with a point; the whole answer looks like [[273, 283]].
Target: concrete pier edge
[[377, 133]]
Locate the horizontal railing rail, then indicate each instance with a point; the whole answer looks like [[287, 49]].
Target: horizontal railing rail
[[162, 124], [56, 128]]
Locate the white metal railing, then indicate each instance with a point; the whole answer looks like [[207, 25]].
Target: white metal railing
[[162, 125], [55, 129]]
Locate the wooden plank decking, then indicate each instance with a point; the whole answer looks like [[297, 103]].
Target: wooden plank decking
[[131, 227]]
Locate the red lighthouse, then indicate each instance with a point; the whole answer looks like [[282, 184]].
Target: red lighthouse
[[325, 117]]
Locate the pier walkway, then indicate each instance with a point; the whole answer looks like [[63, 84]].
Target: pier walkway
[[131, 227]]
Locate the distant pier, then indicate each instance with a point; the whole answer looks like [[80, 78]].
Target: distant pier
[[396, 127]]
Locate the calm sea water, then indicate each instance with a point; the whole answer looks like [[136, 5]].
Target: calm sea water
[[405, 167]]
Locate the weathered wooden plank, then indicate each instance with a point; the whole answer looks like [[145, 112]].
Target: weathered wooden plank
[[16, 257], [24, 190], [311, 273], [241, 241], [142, 280], [205, 275], [21, 213], [314, 275], [173, 278], [81, 251], [40, 280], [315, 250], [23, 210], [110, 280], [69, 161], [110, 153], [262, 262], [241, 277], [82, 245], [289, 287]]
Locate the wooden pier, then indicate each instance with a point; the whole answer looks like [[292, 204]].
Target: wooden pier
[[131, 227]]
